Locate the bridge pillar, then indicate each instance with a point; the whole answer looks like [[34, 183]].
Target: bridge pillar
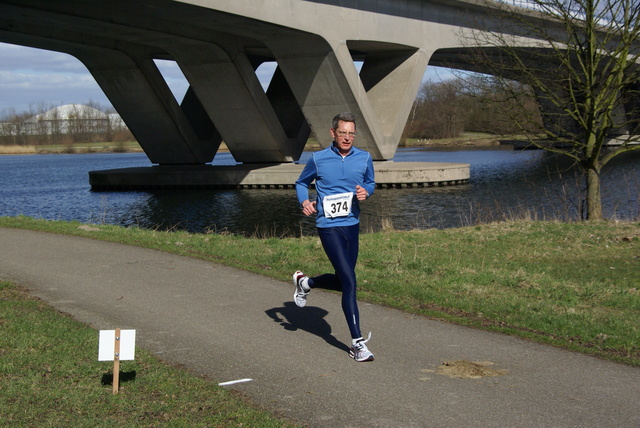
[[139, 93], [289, 113], [392, 80], [233, 98], [325, 81], [199, 119]]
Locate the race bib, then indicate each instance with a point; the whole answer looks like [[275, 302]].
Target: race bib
[[337, 205]]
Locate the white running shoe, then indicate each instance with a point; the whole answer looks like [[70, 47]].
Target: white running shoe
[[360, 352], [302, 289]]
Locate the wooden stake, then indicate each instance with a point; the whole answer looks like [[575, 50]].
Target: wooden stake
[[116, 363]]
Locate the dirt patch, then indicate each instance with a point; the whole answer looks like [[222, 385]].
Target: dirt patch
[[88, 228], [462, 369]]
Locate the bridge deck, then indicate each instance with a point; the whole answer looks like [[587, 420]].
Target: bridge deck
[[258, 176]]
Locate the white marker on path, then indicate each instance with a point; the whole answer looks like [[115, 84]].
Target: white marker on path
[[231, 382]]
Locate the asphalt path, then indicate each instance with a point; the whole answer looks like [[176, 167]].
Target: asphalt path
[[228, 324]]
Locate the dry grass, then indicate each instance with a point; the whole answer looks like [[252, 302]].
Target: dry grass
[[17, 150]]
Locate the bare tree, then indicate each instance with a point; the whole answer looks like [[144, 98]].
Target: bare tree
[[491, 108], [580, 58], [9, 127], [437, 112]]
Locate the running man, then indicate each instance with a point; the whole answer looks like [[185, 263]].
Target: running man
[[344, 176]]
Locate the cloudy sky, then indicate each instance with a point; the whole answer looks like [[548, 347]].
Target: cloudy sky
[[32, 78]]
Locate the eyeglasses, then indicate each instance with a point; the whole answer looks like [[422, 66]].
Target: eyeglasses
[[345, 133]]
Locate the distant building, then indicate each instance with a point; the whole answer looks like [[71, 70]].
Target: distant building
[[68, 119], [117, 124]]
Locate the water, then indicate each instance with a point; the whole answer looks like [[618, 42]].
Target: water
[[504, 184]]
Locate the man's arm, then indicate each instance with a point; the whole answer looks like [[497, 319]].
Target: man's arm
[[307, 176], [369, 182]]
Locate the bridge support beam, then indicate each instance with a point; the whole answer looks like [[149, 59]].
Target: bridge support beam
[[233, 98], [325, 82], [391, 80], [289, 114], [141, 96]]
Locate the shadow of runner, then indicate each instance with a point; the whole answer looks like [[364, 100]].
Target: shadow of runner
[[310, 319]]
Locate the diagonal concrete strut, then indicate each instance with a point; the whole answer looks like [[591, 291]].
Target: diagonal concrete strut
[[325, 81]]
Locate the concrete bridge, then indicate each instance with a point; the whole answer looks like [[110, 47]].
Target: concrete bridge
[[218, 45]]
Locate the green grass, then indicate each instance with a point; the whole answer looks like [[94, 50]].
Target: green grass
[[573, 285]]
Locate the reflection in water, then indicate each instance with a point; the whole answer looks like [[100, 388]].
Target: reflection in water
[[504, 184], [251, 211]]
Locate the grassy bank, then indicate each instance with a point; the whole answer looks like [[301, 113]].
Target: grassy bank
[[574, 285], [72, 148], [466, 139]]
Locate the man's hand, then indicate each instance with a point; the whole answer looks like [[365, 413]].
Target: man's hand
[[309, 207], [361, 193]]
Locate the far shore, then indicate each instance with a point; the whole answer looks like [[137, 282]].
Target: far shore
[[466, 140]]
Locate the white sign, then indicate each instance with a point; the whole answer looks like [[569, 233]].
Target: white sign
[[107, 345]]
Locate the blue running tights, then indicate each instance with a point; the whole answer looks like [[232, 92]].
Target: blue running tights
[[341, 246]]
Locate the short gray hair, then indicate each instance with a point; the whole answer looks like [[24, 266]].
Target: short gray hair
[[343, 117]]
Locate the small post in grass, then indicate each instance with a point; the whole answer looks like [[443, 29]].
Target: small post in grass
[[116, 345], [116, 362]]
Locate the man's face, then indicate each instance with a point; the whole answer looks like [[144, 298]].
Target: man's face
[[344, 136]]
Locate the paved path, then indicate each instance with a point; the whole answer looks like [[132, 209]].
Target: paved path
[[229, 324]]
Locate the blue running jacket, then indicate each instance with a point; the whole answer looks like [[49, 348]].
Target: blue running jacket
[[335, 174]]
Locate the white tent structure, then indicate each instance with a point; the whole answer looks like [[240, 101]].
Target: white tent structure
[[69, 122], [68, 119]]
